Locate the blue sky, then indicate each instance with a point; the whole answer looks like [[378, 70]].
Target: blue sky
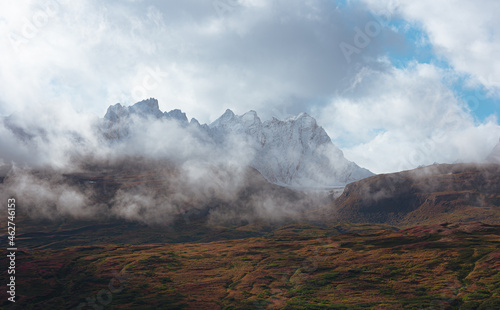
[[414, 81], [481, 102]]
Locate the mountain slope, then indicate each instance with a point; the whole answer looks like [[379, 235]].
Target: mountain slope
[[433, 194], [292, 152]]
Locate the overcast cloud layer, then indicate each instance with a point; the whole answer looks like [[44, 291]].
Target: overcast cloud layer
[[336, 61]]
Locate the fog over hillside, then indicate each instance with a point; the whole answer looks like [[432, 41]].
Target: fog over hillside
[[194, 168], [151, 169]]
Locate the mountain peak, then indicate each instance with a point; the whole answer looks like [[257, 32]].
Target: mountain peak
[[115, 112], [300, 116], [228, 113], [293, 152], [146, 107], [150, 103], [302, 120], [250, 117], [224, 119], [177, 115], [194, 121]]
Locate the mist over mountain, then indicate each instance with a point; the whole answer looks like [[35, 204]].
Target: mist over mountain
[[141, 164], [292, 152]]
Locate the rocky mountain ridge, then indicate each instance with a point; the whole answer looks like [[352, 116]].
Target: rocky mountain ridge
[[291, 152]]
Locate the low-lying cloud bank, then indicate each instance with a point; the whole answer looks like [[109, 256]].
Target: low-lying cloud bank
[[160, 172], [62, 163], [155, 192]]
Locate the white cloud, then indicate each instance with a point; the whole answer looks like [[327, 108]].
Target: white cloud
[[256, 55], [49, 135], [464, 32], [267, 56], [402, 118]]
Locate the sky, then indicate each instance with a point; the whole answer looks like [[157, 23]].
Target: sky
[[396, 84]]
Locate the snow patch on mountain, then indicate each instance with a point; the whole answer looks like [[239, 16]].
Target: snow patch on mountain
[[293, 152]]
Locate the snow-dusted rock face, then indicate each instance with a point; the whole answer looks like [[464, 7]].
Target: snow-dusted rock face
[[118, 118], [146, 108], [291, 152]]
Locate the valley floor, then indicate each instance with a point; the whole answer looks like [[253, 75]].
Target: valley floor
[[446, 266]]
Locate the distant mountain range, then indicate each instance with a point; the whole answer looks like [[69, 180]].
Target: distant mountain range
[[292, 152]]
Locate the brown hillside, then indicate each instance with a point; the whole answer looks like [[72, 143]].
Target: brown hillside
[[433, 194]]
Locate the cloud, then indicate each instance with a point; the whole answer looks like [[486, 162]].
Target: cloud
[[154, 192], [163, 170], [47, 195], [189, 55], [52, 135], [276, 57], [464, 33], [402, 118]]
